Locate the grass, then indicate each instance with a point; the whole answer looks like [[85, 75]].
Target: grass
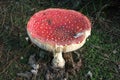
[[100, 53]]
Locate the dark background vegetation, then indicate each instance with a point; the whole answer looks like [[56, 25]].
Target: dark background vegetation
[[100, 54]]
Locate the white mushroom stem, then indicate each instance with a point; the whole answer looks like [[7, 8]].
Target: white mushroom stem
[[58, 60]]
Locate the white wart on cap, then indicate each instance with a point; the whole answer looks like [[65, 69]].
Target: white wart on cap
[[52, 27]]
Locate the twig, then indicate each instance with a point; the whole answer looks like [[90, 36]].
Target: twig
[[99, 12], [27, 48], [6, 66], [3, 21], [1, 48], [86, 5]]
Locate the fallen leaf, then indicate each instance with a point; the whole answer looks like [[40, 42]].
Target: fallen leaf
[[89, 74], [35, 66], [34, 71], [32, 60]]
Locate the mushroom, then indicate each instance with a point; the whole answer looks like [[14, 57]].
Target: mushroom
[[59, 31]]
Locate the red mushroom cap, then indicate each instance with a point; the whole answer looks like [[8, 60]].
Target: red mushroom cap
[[59, 27]]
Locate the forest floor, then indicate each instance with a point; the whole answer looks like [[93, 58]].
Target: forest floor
[[100, 55]]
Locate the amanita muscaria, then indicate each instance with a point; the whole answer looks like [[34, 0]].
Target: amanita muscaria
[[59, 31]]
